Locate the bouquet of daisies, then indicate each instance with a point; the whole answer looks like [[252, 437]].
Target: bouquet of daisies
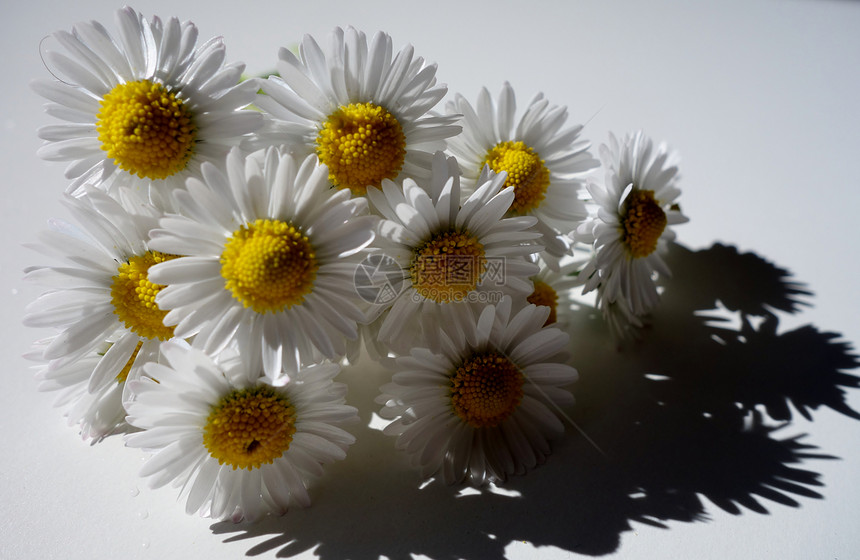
[[235, 241]]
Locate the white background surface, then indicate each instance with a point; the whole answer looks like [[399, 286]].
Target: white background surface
[[760, 98]]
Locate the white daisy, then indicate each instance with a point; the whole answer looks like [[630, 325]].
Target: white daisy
[[96, 414], [622, 322], [238, 448], [145, 107], [364, 113], [482, 410], [270, 254], [635, 209], [553, 288], [449, 255], [101, 298], [545, 163]]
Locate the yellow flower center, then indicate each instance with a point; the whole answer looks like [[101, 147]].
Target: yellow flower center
[[642, 224], [361, 144], [527, 173], [486, 389], [269, 265], [250, 427], [123, 375], [545, 295], [146, 130], [133, 297], [448, 266]]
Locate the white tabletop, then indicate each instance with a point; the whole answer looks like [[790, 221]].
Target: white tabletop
[[759, 97]]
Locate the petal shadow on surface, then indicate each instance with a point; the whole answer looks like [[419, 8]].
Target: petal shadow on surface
[[691, 409]]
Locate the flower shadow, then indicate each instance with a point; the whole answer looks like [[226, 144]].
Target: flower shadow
[[691, 410], [370, 505]]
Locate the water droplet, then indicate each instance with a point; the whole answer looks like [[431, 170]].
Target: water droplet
[[144, 545], [134, 491], [143, 514]]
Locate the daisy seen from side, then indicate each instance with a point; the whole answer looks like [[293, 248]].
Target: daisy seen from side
[[95, 414], [270, 252], [623, 324], [143, 107], [363, 109], [486, 409], [636, 209], [553, 288], [545, 163], [100, 298], [237, 446]]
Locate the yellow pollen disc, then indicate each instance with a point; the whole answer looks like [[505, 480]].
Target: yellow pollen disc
[[146, 129], [123, 375], [526, 173], [642, 224], [269, 265], [544, 294], [250, 427], [361, 144], [486, 389], [448, 266], [133, 296]]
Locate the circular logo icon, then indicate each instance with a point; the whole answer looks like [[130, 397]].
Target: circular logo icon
[[378, 279]]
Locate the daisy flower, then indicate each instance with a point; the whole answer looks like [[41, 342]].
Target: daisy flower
[[449, 256], [145, 107], [545, 164], [97, 414], [482, 410], [238, 448], [101, 299], [635, 209], [363, 111], [623, 324], [553, 288], [270, 254]]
